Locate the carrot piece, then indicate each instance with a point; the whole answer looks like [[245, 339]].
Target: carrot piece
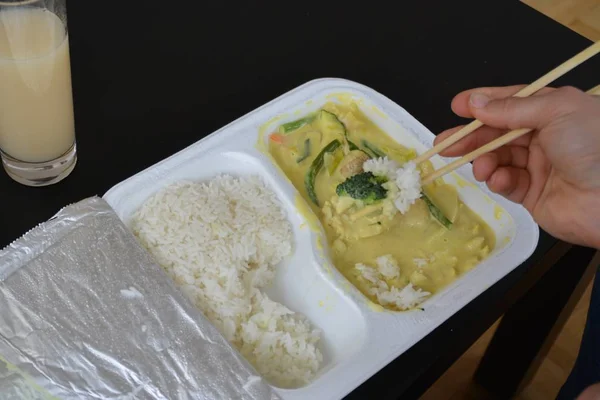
[[277, 138]]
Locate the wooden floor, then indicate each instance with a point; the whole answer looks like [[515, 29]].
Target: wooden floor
[[456, 383], [583, 16]]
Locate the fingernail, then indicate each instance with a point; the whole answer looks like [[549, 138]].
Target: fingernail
[[479, 100]]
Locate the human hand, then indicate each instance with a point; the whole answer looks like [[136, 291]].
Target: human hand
[[590, 393], [554, 171]]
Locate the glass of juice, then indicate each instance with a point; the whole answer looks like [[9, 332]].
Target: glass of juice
[[37, 129]]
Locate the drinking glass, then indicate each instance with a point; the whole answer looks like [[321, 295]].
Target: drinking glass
[[37, 129]]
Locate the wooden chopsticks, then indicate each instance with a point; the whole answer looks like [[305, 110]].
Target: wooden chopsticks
[[493, 145], [525, 92]]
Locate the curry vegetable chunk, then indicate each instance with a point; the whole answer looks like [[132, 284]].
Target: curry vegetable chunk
[[395, 259]]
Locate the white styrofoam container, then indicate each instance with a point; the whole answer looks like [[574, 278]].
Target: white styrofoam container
[[358, 338]]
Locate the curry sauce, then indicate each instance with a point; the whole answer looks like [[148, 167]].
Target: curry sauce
[[435, 241]]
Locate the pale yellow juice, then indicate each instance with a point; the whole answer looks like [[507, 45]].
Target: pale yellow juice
[[36, 101]]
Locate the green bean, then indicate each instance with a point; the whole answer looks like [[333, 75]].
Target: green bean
[[372, 150], [295, 125], [437, 213], [315, 167], [306, 152]]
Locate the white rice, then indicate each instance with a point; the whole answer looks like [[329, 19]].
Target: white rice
[[406, 178], [420, 262], [388, 294], [388, 267], [220, 242], [404, 299], [408, 181], [381, 166]]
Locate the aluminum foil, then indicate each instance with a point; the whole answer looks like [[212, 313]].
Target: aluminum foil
[[85, 313]]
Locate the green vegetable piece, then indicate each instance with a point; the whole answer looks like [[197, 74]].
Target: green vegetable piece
[[372, 150], [329, 123], [436, 212], [381, 179], [364, 186], [295, 125], [305, 153], [398, 154], [315, 167], [332, 160], [353, 146]]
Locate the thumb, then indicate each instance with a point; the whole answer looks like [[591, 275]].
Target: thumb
[[535, 112]]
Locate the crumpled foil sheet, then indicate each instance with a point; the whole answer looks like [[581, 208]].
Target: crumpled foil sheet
[[85, 313]]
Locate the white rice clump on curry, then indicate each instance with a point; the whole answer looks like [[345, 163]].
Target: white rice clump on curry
[[381, 166], [383, 286], [220, 242], [406, 179]]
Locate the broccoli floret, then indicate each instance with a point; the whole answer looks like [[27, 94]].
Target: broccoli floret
[[364, 186], [380, 179]]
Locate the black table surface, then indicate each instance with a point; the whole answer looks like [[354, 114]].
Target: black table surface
[[152, 77]]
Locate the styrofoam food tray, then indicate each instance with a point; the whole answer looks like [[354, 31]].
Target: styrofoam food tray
[[358, 338]]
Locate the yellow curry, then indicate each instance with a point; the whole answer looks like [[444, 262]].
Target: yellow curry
[[435, 241]]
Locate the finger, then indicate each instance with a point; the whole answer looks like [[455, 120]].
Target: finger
[[510, 182], [460, 103], [476, 139], [535, 112], [485, 165], [590, 393], [515, 156]]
